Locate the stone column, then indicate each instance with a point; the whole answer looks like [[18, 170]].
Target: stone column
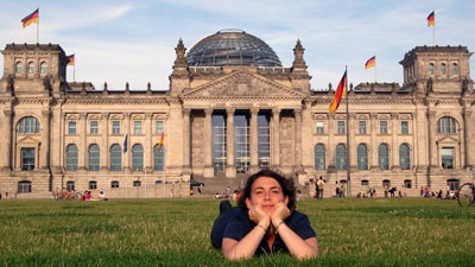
[[82, 146], [275, 151], [432, 148], [373, 157], [330, 150], [149, 145], [352, 147], [253, 140], [104, 147], [230, 167], [45, 148], [127, 157], [394, 160], [186, 140], [208, 171], [298, 139], [464, 139], [7, 149]]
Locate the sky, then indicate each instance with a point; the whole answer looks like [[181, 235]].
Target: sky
[[117, 41]]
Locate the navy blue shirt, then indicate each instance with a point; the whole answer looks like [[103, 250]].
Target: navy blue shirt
[[237, 225]]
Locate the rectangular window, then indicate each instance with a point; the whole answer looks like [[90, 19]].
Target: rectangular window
[[27, 159], [383, 127], [341, 127], [159, 127], [320, 129], [362, 127], [72, 127], [93, 127], [447, 154], [115, 127], [137, 127], [404, 127]]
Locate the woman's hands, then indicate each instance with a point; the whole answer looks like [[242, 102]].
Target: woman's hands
[[260, 217]]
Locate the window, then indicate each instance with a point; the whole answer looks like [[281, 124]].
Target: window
[[31, 67], [137, 183], [383, 127], [404, 127], [115, 127], [27, 159], [319, 157], [137, 158], [320, 129], [72, 127], [383, 157], [407, 183], [159, 158], [70, 186], [364, 182], [263, 139], [43, 68], [72, 158], [362, 157], [454, 184], [241, 142], [115, 158], [431, 68], [443, 69], [137, 127], [93, 127], [341, 127], [362, 127], [446, 125], [340, 157], [447, 155], [92, 185], [386, 183], [159, 127], [455, 69], [115, 184], [28, 125], [94, 158], [404, 157], [24, 187], [19, 67]]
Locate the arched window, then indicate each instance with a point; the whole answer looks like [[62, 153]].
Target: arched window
[[137, 183], [19, 67], [31, 67], [320, 157], [94, 158], [115, 184], [72, 158], [137, 157], [340, 163], [28, 125], [404, 157], [443, 68], [364, 182], [455, 69], [115, 158], [383, 155], [159, 158], [362, 157], [446, 125], [430, 69], [24, 187], [386, 183], [43, 67]]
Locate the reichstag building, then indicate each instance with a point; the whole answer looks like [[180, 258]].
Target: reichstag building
[[231, 109]]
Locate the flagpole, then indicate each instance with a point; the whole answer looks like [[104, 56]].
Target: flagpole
[[348, 177], [38, 31], [126, 174], [433, 35], [375, 76]]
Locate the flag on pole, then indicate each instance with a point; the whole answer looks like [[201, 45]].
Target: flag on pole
[[341, 91], [126, 142], [370, 63], [32, 18], [431, 19], [161, 142], [71, 60]]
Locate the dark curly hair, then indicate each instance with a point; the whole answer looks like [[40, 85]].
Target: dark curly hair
[[287, 185]]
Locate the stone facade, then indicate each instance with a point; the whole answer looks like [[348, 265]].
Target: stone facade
[[219, 121]]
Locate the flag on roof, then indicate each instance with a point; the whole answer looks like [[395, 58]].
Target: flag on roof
[[431, 19], [32, 18], [370, 63]]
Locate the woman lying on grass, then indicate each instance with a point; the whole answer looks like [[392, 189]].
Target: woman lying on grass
[[265, 222]]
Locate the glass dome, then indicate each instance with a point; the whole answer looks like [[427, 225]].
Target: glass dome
[[231, 47]]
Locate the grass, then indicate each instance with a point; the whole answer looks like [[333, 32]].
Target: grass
[[175, 232]]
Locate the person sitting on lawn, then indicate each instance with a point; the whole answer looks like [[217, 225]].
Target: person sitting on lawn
[[265, 222]]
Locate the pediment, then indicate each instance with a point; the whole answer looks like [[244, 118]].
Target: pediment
[[448, 140], [242, 84], [28, 141]]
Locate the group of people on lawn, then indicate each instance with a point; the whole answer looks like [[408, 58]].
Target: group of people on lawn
[[87, 196]]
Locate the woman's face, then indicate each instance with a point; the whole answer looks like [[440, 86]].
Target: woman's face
[[266, 192]]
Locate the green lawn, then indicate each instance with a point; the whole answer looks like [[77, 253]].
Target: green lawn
[[175, 232]]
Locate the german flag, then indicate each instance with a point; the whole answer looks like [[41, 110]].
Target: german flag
[[161, 142], [431, 19], [341, 91], [32, 18], [71, 59], [370, 63]]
